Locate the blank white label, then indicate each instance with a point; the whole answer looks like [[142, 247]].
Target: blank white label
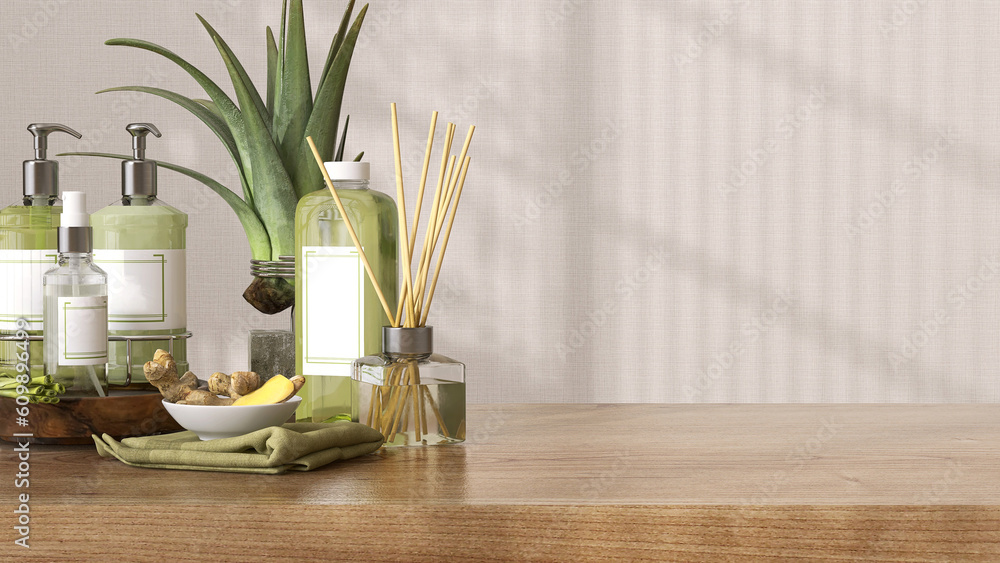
[[21, 273], [146, 288], [83, 331], [333, 309]]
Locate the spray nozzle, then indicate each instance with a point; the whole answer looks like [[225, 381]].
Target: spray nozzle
[[75, 210]]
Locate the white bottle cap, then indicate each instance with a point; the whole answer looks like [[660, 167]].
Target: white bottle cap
[[348, 170], [74, 210]]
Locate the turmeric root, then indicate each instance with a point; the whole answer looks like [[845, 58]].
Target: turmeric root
[[278, 389], [234, 386]]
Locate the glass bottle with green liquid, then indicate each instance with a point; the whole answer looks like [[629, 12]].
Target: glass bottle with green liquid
[[140, 242], [338, 316], [28, 239]]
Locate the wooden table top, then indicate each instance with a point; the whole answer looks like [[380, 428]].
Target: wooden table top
[[560, 482]]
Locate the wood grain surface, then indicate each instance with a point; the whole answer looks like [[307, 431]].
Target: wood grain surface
[[73, 421], [561, 483]]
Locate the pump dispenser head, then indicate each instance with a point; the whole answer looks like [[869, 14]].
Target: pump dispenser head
[[75, 234], [41, 176], [139, 174]]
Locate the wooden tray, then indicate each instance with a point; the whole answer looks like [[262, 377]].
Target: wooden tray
[[72, 421]]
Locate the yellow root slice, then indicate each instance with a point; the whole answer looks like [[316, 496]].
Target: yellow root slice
[[278, 389]]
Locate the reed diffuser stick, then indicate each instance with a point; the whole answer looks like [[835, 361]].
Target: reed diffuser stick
[[442, 213], [461, 161], [350, 228], [444, 244], [443, 176], [421, 283], [423, 182], [416, 216], [400, 195]]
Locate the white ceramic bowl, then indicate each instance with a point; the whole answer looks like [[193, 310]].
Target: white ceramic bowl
[[211, 422]]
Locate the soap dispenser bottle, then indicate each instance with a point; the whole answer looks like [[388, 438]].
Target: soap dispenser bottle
[[139, 241], [76, 308], [28, 231]]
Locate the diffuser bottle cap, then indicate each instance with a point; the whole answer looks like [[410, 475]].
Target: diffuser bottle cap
[[75, 234], [41, 176], [139, 174], [348, 170]]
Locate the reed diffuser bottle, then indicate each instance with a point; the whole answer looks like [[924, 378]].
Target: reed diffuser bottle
[[338, 316], [76, 308], [408, 393]]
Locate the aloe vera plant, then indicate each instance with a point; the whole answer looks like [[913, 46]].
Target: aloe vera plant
[[265, 135]]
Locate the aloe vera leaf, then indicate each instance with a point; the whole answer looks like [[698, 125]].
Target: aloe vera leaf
[[279, 70], [276, 200], [296, 102], [358, 158], [202, 111], [210, 106], [260, 244], [322, 125], [251, 89], [338, 40], [343, 139], [272, 69], [230, 113]]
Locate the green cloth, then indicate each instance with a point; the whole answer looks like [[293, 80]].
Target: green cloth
[[300, 446]]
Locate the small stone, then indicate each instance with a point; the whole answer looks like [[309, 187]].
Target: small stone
[[272, 352]]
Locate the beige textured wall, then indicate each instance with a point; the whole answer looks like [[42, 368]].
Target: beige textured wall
[[669, 201]]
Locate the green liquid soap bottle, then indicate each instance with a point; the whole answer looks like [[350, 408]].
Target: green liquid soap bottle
[[338, 316], [28, 233], [140, 242], [76, 308]]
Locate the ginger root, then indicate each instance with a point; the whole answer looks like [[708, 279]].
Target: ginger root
[[234, 386], [162, 374], [241, 387], [202, 397]]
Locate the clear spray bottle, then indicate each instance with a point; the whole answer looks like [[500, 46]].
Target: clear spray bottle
[[76, 307]]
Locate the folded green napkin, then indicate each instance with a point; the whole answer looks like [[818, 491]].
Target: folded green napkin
[[300, 446]]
